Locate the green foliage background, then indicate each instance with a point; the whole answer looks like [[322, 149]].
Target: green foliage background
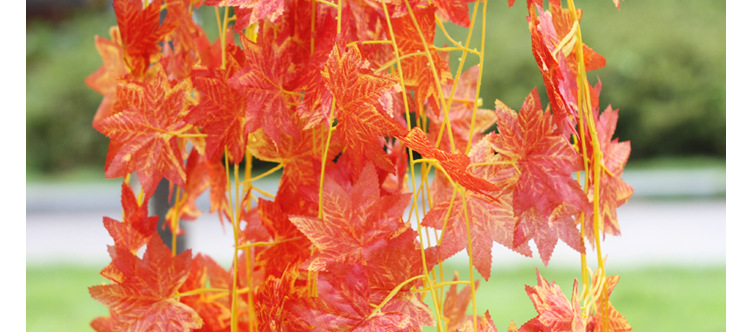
[[666, 72]]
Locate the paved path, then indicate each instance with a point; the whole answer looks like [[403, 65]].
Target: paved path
[[64, 224]]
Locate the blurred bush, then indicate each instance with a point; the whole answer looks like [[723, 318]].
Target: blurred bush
[[60, 54], [666, 72]]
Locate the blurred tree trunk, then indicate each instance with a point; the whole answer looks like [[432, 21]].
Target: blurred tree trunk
[[160, 204]]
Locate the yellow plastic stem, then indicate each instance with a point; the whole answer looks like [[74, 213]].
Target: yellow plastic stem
[[435, 76], [479, 75], [201, 291], [325, 157], [399, 69], [586, 112]]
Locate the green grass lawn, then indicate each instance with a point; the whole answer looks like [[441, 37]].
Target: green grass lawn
[[652, 299]]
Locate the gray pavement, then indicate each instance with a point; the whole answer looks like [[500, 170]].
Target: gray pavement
[[674, 217]]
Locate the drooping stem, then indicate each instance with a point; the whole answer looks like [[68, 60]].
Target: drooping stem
[[435, 76], [479, 75], [325, 158], [586, 112], [420, 232]]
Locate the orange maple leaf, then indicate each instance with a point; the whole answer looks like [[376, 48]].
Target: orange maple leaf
[[141, 33], [144, 135], [136, 228], [613, 191], [104, 80], [220, 111], [364, 106], [146, 299], [542, 159], [356, 221], [251, 11], [490, 215], [263, 81]]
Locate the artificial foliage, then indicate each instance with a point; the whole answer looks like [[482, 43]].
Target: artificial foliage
[[388, 163]]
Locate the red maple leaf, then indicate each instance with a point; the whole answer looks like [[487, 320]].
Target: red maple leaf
[[356, 221], [457, 11], [454, 164], [215, 311], [290, 248], [606, 317], [349, 302], [281, 303], [461, 114], [546, 231], [197, 180], [141, 33], [363, 108], [144, 135], [557, 60], [490, 217], [556, 313], [136, 228], [264, 81], [455, 305], [146, 299], [251, 11], [484, 324], [613, 191], [563, 23], [559, 79], [220, 111], [417, 68], [104, 80], [543, 161]]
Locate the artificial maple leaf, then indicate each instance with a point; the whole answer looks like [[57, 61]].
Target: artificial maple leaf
[[561, 224], [484, 324], [251, 11], [146, 299], [559, 79], [136, 228], [221, 109], [197, 180], [188, 45], [104, 80], [613, 191], [144, 136], [264, 81], [457, 11], [455, 305], [461, 114], [454, 164], [356, 221], [490, 217], [543, 160], [215, 311], [348, 302], [557, 60], [607, 318], [562, 20], [141, 33], [290, 248], [556, 313], [280, 303], [363, 106], [420, 58]]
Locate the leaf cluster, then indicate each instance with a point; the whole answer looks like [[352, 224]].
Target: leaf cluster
[[343, 96]]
